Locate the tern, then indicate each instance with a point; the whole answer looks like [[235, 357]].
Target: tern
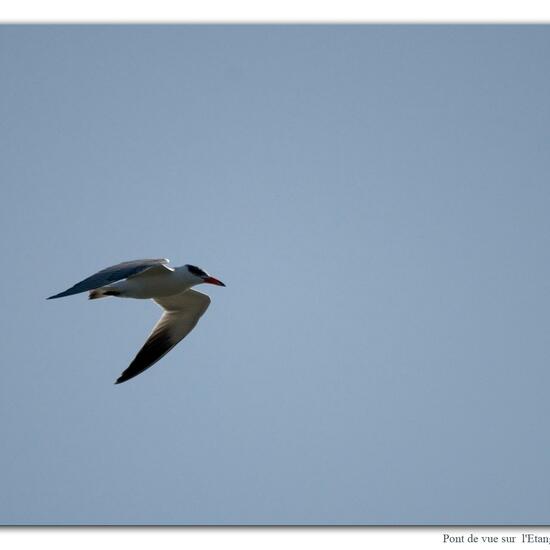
[[169, 287]]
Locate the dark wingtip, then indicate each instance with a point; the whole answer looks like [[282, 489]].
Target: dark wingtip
[[60, 295]]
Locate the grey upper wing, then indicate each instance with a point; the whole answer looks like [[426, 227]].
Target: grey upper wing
[[111, 275]]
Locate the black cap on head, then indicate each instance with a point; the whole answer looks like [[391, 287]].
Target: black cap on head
[[196, 271]]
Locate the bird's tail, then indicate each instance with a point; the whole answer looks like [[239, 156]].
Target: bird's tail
[[102, 293]]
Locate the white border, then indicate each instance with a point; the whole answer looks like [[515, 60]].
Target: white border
[[272, 11], [180, 538]]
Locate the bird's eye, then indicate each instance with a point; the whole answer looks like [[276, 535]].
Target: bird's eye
[[196, 271]]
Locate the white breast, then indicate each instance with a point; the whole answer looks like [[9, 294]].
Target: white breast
[[151, 285]]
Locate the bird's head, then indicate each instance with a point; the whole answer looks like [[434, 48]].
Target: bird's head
[[199, 276]]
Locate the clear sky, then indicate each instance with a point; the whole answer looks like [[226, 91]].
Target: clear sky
[[376, 199]]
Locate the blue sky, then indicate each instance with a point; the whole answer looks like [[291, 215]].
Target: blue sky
[[375, 198]]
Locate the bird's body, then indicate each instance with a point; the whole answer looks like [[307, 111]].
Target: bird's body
[[155, 282], [168, 287]]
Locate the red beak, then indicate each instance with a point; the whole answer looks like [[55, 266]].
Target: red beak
[[212, 281]]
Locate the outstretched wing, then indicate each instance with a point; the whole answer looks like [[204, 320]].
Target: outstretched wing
[[111, 275], [182, 311]]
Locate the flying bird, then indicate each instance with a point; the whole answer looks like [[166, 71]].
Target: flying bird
[[169, 287]]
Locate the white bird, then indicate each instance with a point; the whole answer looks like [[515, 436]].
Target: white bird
[[169, 287]]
